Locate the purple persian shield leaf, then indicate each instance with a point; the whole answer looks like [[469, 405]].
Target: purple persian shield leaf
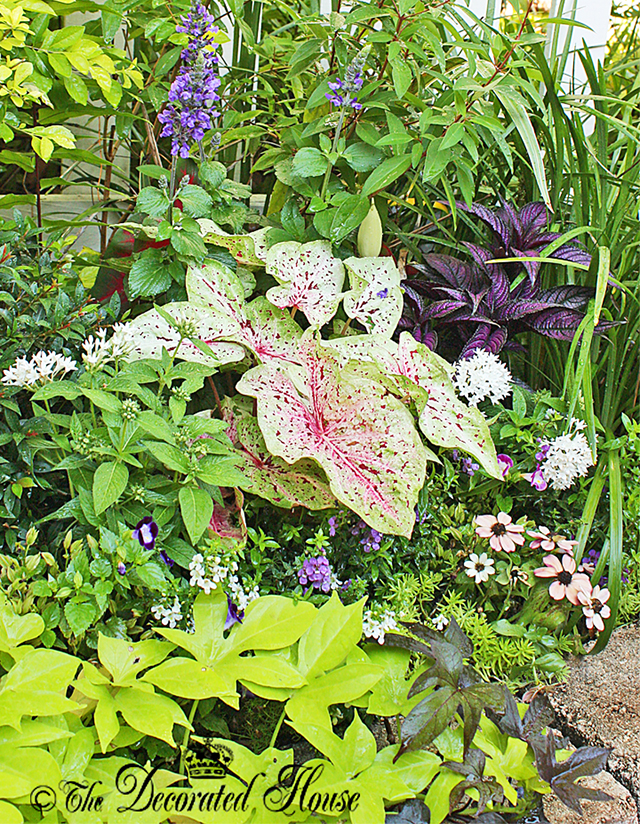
[[442, 308], [301, 484], [569, 297], [532, 219], [496, 341], [362, 436], [310, 279], [493, 220], [478, 340], [560, 324]]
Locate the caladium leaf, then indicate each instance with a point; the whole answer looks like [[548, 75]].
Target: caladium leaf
[[375, 298], [248, 250], [151, 332], [303, 484], [362, 436], [310, 279]]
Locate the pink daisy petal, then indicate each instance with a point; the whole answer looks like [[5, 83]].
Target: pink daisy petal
[[557, 591], [568, 563], [494, 543], [483, 532], [507, 544], [485, 520], [515, 528], [553, 562], [504, 519], [518, 539], [598, 623], [544, 572]]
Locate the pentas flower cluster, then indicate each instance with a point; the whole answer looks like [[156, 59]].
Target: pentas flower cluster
[[43, 367], [376, 623], [561, 461], [193, 94], [481, 376], [98, 351]]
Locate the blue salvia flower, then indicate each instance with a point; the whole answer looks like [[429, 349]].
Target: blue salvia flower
[[344, 92], [193, 94]]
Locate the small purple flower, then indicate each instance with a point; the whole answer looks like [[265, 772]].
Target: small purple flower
[[371, 542], [146, 532], [234, 615], [332, 526], [536, 479], [505, 463], [167, 560], [317, 572], [382, 293], [544, 451], [469, 467], [122, 568]]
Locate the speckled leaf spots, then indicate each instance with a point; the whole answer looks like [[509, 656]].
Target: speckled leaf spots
[[310, 279], [303, 484], [375, 298], [249, 250], [362, 436], [268, 332], [444, 419], [151, 333]]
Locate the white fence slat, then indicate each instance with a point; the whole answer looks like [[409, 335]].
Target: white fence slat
[[596, 14]]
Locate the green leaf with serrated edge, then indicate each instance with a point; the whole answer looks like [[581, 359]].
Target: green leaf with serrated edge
[[17, 629], [195, 201], [125, 659], [378, 473], [248, 250], [152, 201], [196, 508], [375, 298], [148, 275], [109, 482], [151, 714], [310, 279], [169, 455], [348, 216], [309, 162], [303, 484], [80, 616]]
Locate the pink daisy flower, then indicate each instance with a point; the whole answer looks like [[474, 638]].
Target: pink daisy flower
[[501, 532], [544, 539], [595, 607], [568, 583]]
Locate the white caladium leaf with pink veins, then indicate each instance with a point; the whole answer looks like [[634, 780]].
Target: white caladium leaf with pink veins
[[302, 484], [310, 279], [267, 331], [361, 435], [419, 376], [375, 298], [150, 333]]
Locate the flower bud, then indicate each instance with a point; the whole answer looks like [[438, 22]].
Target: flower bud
[[370, 234], [31, 536]]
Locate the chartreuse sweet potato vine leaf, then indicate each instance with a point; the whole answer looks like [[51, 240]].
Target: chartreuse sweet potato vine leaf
[[140, 706], [375, 299], [16, 629], [355, 765], [270, 623], [303, 484], [360, 434], [310, 279], [423, 379]]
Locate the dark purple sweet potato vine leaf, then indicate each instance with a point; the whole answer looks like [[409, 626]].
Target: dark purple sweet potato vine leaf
[[463, 306]]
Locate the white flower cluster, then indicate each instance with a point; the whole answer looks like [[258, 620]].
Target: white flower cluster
[[170, 616], [481, 376], [98, 351], [375, 627], [208, 573], [569, 457], [43, 366], [238, 594]]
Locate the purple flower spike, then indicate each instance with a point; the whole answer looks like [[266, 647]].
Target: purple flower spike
[[168, 561], [505, 463], [122, 568], [317, 572], [234, 615], [146, 532]]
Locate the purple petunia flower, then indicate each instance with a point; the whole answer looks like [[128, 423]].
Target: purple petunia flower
[[168, 561], [317, 572], [146, 532], [234, 615], [505, 463]]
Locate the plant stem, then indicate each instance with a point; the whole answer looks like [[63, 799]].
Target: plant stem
[[187, 733], [276, 730], [336, 138]]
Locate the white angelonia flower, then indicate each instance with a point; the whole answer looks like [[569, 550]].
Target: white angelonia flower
[[375, 626], [481, 376], [241, 597], [569, 457], [440, 621], [479, 567], [43, 367], [169, 616], [97, 351]]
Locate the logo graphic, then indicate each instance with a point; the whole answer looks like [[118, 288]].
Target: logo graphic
[[208, 761]]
